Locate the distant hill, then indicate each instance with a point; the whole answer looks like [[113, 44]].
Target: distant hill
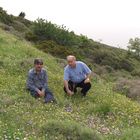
[[60, 42]]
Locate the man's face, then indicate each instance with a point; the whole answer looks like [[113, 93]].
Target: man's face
[[71, 62], [38, 66]]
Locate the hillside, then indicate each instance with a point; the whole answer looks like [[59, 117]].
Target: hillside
[[57, 40], [103, 114]]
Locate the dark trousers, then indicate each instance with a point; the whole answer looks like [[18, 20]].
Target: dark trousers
[[73, 87], [48, 94]]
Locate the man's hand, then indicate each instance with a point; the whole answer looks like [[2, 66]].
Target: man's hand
[[87, 81], [70, 92], [41, 94]]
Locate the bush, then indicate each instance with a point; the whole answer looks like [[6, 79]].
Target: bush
[[68, 130], [31, 36], [100, 70], [126, 65], [55, 49], [113, 59], [106, 58], [103, 109], [109, 69], [135, 73], [5, 18], [60, 51], [19, 26], [130, 88], [45, 30]]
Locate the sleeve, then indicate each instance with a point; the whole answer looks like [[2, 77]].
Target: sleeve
[[66, 75], [30, 83], [86, 69], [45, 80]]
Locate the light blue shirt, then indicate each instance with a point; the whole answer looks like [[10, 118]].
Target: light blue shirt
[[76, 74]]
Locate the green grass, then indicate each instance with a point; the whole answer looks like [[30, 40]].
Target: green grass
[[103, 114]]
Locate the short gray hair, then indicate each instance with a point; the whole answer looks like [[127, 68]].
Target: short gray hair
[[71, 57]]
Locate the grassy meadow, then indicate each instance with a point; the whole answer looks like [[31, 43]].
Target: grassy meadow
[[102, 115]]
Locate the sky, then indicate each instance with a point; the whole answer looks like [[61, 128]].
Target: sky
[[112, 22]]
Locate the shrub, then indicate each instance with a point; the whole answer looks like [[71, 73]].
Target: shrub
[[19, 26], [31, 36], [60, 51], [135, 72], [103, 109], [5, 18], [68, 130], [126, 65], [45, 30], [55, 49], [109, 69], [100, 70], [130, 88], [106, 58]]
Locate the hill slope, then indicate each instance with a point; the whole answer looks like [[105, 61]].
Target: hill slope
[[102, 112], [60, 42]]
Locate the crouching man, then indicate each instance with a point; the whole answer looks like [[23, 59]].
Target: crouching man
[[76, 74], [37, 82]]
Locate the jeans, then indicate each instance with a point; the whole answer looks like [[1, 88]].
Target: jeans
[[48, 94]]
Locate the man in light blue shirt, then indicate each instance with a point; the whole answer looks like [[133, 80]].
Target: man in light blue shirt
[[76, 74]]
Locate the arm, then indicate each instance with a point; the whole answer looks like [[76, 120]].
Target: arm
[[67, 88], [66, 85], [88, 76], [66, 79], [87, 72], [45, 81]]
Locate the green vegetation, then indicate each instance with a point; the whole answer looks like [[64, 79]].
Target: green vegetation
[[134, 45], [59, 42], [103, 114], [68, 130], [5, 18]]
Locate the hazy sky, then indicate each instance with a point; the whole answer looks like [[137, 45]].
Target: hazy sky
[[112, 21]]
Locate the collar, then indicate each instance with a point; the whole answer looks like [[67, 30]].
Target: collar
[[73, 67], [34, 71]]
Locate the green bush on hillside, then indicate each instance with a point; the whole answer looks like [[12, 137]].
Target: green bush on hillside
[[45, 30], [53, 48], [111, 59], [5, 18], [68, 130], [130, 88], [135, 72]]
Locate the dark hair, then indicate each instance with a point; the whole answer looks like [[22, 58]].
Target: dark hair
[[38, 61]]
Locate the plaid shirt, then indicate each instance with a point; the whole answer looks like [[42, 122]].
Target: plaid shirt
[[36, 80]]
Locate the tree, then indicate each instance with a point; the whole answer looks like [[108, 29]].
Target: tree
[[134, 45], [22, 15]]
